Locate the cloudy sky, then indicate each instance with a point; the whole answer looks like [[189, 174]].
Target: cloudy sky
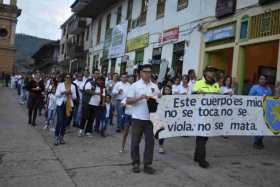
[[43, 18]]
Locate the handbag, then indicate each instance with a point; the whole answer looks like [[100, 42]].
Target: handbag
[[152, 105]]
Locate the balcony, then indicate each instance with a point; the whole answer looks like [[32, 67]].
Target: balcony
[[91, 8], [76, 51], [76, 25]]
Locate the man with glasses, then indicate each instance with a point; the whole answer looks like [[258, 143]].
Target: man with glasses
[[139, 94], [120, 92]]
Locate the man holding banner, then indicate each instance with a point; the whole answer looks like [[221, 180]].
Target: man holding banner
[[207, 85], [260, 89]]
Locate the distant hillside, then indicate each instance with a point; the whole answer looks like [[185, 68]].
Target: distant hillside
[[26, 46]]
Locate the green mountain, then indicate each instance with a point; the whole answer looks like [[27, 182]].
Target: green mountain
[[26, 46]]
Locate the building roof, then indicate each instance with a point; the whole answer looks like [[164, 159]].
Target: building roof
[[91, 8], [41, 51], [67, 21]]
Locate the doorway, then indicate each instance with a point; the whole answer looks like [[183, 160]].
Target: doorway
[[260, 59]]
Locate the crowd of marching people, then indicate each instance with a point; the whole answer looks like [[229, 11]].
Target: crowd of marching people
[[90, 102]]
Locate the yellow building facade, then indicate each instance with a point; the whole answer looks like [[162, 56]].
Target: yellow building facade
[[244, 45]]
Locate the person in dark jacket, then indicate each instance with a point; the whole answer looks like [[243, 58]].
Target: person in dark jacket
[[35, 87]]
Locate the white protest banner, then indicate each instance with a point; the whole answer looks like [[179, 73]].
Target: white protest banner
[[117, 48], [217, 115]]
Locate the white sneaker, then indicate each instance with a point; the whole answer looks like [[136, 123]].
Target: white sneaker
[[89, 135], [81, 133], [52, 129], [161, 150], [45, 127]]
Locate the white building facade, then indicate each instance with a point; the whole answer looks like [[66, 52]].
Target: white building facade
[[168, 31]]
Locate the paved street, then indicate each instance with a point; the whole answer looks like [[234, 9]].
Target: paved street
[[28, 158]]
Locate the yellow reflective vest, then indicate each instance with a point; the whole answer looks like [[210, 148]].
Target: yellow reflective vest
[[202, 86]]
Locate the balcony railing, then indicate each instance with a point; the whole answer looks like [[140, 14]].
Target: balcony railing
[[76, 51], [77, 25]]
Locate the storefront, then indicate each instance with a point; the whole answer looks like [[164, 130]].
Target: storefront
[[137, 45], [245, 46]]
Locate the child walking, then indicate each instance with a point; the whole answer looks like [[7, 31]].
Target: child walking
[[106, 114], [51, 110]]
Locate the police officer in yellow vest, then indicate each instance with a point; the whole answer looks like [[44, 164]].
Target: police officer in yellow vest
[[206, 85]]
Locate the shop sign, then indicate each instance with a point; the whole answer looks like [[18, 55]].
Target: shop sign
[[138, 42], [170, 35], [220, 33], [119, 33]]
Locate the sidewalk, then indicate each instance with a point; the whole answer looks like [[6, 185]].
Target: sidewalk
[[28, 158], [25, 158]]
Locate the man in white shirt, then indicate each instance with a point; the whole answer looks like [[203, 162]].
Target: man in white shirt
[[138, 95], [92, 89], [120, 92]]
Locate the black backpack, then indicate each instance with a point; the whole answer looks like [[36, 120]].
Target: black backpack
[[86, 97]]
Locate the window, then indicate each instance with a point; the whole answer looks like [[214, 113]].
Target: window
[[87, 33], [139, 56], [123, 67], [99, 31], [108, 21], [244, 28], [95, 62], [160, 8], [182, 4], [62, 49], [3, 32], [129, 14], [119, 15], [143, 14], [156, 60], [178, 57], [113, 65]]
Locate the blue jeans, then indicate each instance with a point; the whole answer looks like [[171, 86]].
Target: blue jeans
[[120, 114], [51, 116], [23, 95], [77, 114], [104, 123], [62, 121]]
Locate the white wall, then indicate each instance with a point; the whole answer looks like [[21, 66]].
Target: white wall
[[187, 19], [246, 3]]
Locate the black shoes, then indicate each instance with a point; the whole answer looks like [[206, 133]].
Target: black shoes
[[136, 168], [62, 142], [258, 146], [149, 170], [58, 140], [102, 134], [118, 130], [203, 164]]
